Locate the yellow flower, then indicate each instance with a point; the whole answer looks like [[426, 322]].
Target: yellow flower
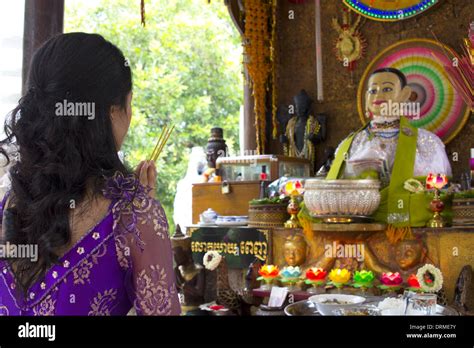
[[339, 276]]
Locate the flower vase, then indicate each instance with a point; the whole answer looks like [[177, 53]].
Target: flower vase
[[390, 292], [362, 291], [292, 286], [267, 284], [316, 289], [337, 290]]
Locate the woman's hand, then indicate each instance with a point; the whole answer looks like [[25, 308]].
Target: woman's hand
[[146, 172]]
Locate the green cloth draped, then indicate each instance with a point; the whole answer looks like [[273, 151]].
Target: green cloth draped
[[398, 213], [342, 154]]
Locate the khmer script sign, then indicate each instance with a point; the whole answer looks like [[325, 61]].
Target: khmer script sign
[[239, 245]]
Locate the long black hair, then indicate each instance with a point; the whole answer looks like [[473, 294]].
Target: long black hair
[[61, 158]]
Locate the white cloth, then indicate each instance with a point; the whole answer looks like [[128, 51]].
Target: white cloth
[[430, 152], [183, 201]]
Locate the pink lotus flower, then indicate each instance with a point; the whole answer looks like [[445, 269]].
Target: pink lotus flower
[[437, 181], [391, 279]]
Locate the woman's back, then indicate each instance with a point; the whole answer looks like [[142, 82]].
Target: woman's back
[[66, 133], [123, 260]]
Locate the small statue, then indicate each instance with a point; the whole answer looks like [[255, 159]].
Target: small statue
[[251, 276], [295, 250], [216, 147], [303, 131], [190, 277]]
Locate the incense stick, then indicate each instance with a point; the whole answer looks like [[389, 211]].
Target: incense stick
[[163, 143], [162, 140], [158, 142]]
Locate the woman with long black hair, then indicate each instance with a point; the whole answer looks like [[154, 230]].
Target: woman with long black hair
[[101, 238]]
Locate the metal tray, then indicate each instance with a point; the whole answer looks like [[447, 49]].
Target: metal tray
[[308, 308]]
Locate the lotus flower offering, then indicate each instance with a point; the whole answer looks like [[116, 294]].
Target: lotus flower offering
[[290, 272], [391, 281], [293, 188], [290, 276], [363, 279], [436, 181], [339, 277], [268, 273], [413, 283], [315, 277]]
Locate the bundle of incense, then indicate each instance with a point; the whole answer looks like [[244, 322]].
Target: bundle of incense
[[164, 136], [460, 75]]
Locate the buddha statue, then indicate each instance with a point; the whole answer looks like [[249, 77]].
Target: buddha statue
[[190, 277], [216, 147], [295, 250], [409, 254], [303, 131], [389, 148]]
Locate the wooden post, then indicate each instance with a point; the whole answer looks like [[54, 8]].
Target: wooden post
[[43, 20]]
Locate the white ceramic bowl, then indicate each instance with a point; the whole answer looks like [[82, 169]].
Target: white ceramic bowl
[[342, 197], [327, 304]]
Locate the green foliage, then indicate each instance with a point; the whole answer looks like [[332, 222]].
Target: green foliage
[[465, 194], [186, 65], [265, 201]]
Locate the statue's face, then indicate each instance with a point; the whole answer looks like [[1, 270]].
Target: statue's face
[[211, 157], [382, 88], [294, 254], [408, 254], [302, 106]]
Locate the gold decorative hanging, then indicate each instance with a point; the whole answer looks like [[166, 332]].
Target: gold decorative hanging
[[274, 57], [350, 44], [258, 59]]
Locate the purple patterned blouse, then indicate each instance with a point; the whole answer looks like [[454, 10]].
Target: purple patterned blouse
[[123, 261]]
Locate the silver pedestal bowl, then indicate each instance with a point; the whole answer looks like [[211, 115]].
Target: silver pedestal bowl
[[342, 200]]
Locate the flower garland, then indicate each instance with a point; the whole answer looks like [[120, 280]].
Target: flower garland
[[274, 57], [211, 260], [430, 278], [258, 60]]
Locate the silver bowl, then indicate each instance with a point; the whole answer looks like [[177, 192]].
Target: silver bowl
[[327, 304], [342, 197]]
